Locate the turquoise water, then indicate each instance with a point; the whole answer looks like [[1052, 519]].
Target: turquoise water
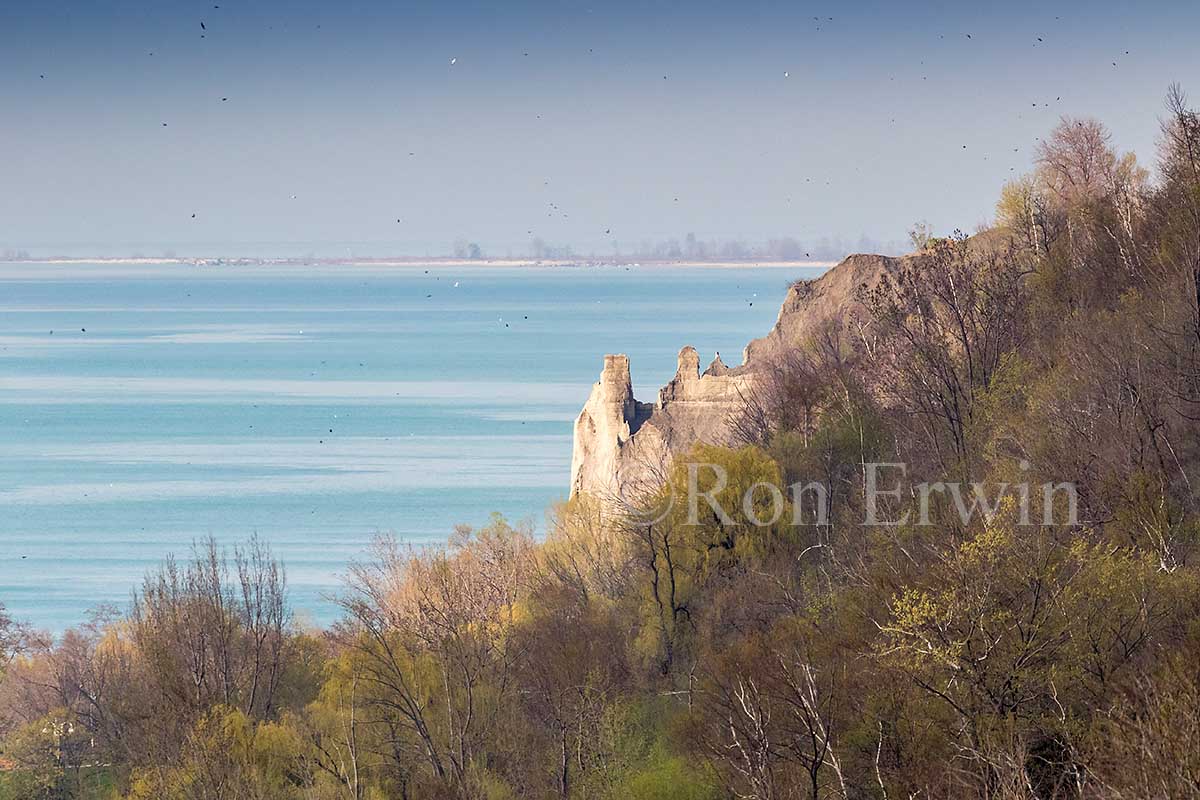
[[143, 407]]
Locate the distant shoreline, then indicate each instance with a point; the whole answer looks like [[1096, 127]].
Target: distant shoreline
[[407, 261]]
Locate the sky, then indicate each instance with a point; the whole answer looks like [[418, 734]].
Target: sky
[[290, 127]]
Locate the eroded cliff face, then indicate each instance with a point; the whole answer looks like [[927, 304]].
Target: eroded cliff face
[[810, 305], [606, 423], [623, 448]]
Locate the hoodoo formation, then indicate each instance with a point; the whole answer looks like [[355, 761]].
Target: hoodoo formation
[[622, 447]]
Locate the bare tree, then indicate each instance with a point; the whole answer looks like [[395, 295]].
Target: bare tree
[[212, 636], [1076, 160], [451, 611], [945, 322]]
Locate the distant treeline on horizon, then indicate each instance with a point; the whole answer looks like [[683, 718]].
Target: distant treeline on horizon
[[689, 248]]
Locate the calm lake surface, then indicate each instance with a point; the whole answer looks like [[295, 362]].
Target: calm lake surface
[[144, 407]]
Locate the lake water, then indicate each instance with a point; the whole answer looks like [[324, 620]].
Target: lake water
[[144, 407]]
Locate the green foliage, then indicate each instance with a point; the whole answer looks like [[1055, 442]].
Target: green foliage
[[711, 531], [88, 783], [52, 757], [228, 754], [637, 759], [668, 777]]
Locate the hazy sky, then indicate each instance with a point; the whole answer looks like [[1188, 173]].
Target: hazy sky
[[647, 119]]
